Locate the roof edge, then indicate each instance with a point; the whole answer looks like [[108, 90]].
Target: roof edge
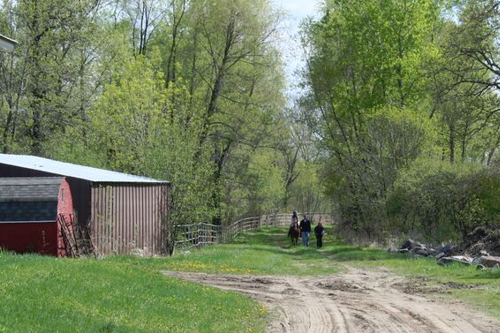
[[70, 170]]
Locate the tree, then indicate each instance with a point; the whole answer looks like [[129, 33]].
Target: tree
[[47, 79], [143, 128], [233, 73], [145, 17], [476, 39], [464, 88], [188, 91], [366, 72]]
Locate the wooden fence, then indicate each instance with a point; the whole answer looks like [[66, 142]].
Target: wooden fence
[[199, 235]]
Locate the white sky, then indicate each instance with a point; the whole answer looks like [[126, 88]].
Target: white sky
[[298, 8], [292, 55]]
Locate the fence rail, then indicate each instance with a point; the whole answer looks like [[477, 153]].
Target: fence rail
[[199, 235]]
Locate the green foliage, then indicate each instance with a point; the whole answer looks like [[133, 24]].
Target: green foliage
[[184, 96], [444, 202], [129, 116], [240, 92], [465, 109], [266, 185], [47, 86], [263, 188], [371, 53], [307, 192], [389, 105], [365, 72], [360, 182], [221, 52]]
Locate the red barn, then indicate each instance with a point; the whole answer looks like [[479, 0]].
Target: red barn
[[120, 213], [30, 211]]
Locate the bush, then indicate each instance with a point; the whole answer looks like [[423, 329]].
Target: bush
[[444, 202]]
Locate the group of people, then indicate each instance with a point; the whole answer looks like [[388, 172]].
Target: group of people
[[304, 227]]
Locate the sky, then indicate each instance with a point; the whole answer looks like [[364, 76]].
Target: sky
[[298, 8], [292, 54]]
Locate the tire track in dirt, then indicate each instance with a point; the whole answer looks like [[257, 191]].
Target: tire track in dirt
[[357, 302]]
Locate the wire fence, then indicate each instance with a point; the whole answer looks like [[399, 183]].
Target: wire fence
[[202, 234]]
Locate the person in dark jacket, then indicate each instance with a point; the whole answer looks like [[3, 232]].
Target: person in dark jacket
[[319, 231], [305, 230], [294, 230]]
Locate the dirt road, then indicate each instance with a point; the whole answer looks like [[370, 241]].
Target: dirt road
[[360, 301]]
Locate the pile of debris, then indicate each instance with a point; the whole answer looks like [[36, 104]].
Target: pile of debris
[[482, 248]]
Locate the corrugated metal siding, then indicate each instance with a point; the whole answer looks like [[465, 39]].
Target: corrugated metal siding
[[149, 205], [129, 216]]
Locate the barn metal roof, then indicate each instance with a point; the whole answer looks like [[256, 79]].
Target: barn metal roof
[[29, 188], [73, 170], [7, 44]]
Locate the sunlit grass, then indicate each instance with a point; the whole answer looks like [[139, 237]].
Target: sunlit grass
[[267, 252], [43, 294], [129, 294]]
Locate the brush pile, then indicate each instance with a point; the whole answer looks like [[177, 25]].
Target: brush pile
[[481, 248]]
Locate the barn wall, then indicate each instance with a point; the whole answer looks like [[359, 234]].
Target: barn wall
[[13, 171], [129, 216], [122, 216], [64, 208], [29, 237], [79, 188]]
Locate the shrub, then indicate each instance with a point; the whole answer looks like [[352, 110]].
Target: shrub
[[445, 202]]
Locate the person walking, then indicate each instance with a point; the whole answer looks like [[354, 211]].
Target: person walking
[[294, 230], [319, 231], [305, 230]]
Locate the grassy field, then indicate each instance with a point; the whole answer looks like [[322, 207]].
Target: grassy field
[[129, 294], [41, 294]]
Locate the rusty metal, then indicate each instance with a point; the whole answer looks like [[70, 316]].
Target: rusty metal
[[126, 217]]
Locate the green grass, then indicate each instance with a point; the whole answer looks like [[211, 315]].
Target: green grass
[[43, 294], [267, 252], [129, 294]]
